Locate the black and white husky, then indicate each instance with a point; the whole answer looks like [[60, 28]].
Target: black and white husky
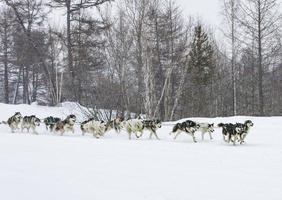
[[152, 126], [189, 127], [50, 122], [230, 132], [30, 122], [245, 128], [97, 128], [206, 128], [14, 121], [66, 125]]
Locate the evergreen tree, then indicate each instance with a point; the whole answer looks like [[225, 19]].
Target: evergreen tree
[[201, 57], [201, 65]]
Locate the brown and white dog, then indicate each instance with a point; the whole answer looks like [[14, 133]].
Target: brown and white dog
[[66, 125], [115, 124], [97, 128], [30, 122]]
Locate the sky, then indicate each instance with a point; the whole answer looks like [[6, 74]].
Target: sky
[[207, 10]]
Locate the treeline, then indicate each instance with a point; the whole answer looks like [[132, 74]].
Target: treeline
[[143, 56]]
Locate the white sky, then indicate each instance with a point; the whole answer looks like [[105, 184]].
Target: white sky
[[207, 10]]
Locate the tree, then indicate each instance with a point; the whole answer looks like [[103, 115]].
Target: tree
[[6, 31], [261, 20], [230, 12], [201, 64]]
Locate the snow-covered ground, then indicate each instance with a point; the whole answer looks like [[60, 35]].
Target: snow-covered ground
[[73, 167]]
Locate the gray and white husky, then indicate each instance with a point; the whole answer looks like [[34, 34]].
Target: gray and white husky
[[30, 122], [206, 128], [97, 128], [14, 121]]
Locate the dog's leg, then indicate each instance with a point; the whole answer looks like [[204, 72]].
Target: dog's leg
[[203, 135], [241, 138], [97, 135], [210, 135], [129, 134], [138, 136], [155, 133], [194, 139], [176, 135], [234, 140], [151, 134], [34, 130], [141, 134]]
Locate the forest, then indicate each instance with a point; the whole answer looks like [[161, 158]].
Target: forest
[[143, 56]]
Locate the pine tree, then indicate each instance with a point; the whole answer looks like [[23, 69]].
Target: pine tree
[[201, 65], [201, 57]]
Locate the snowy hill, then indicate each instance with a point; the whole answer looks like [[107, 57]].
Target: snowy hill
[[72, 167]]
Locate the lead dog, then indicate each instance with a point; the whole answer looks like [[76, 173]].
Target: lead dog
[[66, 125], [14, 121], [189, 127], [97, 128], [245, 128], [30, 122], [206, 128]]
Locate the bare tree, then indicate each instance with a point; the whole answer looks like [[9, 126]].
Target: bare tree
[[261, 20], [230, 12]]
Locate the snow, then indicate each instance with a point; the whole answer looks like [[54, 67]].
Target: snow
[[49, 166]]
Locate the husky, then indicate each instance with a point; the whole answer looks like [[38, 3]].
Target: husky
[[189, 127], [115, 124], [97, 128], [152, 126], [30, 122], [14, 121], [133, 126], [206, 128], [245, 128], [50, 122], [66, 125], [231, 132]]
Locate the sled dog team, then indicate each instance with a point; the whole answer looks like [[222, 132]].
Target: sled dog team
[[232, 133]]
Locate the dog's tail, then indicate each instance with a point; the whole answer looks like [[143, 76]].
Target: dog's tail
[[175, 128], [3, 122]]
